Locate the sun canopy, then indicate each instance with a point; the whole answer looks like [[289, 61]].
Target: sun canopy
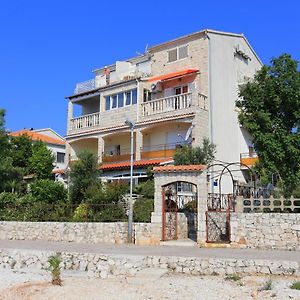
[[172, 75]]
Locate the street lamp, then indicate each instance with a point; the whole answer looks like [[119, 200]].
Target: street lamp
[[130, 212]]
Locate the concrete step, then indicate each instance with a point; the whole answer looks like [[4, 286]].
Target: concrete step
[[180, 243]]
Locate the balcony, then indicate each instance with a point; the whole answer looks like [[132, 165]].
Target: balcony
[[159, 151], [111, 158], [85, 121], [157, 106], [85, 86], [249, 159]]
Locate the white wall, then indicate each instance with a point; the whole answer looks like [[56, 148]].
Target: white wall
[[58, 148], [226, 72]]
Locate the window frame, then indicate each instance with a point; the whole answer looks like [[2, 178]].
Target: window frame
[[124, 101], [62, 154]]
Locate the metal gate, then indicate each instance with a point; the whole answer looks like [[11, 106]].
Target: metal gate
[[219, 207], [170, 208], [179, 204]]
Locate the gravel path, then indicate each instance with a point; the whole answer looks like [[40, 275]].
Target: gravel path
[[36, 286]]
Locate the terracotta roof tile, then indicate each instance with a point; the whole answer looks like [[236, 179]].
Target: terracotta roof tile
[[184, 168], [138, 163], [38, 137]]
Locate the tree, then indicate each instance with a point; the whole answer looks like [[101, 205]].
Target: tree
[[10, 175], [4, 141], [197, 155], [21, 151], [84, 173], [41, 161], [270, 111]]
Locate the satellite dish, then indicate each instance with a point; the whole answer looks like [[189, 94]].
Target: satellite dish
[[153, 86], [188, 133]]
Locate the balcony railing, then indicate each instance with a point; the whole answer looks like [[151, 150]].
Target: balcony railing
[[159, 151], [85, 86], [172, 103], [248, 158], [85, 121], [109, 158]]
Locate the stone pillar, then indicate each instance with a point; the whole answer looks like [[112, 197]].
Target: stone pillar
[[138, 144], [100, 149], [202, 208], [70, 115], [68, 154], [156, 216]]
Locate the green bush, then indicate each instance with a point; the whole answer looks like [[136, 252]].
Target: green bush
[[48, 191], [295, 285], [145, 189], [81, 213], [142, 210], [111, 213]]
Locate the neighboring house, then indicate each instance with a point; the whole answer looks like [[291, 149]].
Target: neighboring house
[[54, 142], [178, 92]]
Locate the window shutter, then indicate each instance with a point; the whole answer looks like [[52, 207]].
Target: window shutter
[[183, 52], [172, 55]]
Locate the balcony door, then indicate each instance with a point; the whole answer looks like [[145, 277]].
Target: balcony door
[[181, 90]]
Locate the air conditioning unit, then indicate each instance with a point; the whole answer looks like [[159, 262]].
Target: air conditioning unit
[[156, 87]]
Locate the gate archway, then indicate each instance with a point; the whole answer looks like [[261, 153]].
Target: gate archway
[[179, 211]]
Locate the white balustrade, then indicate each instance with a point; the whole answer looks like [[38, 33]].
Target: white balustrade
[[175, 102], [85, 121]]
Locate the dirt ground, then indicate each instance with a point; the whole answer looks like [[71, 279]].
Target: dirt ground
[[25, 286]]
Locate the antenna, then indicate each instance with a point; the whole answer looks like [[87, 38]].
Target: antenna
[[146, 48]]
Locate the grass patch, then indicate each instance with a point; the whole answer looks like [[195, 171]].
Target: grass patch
[[233, 277], [295, 285], [268, 285]]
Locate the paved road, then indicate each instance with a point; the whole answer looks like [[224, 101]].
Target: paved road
[[152, 250]]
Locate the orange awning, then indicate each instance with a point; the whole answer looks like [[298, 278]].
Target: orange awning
[[172, 75]]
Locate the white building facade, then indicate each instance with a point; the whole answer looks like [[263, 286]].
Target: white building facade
[[179, 92]]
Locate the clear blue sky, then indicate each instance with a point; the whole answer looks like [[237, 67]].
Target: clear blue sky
[[47, 46]]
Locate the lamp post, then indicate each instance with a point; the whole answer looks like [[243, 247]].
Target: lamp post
[[130, 212]]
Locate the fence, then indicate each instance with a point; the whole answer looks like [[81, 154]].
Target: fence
[[267, 205]]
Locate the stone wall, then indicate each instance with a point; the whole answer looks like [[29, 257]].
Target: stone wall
[[116, 233], [265, 230], [104, 266]]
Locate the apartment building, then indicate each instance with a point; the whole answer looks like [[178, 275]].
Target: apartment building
[[177, 93]]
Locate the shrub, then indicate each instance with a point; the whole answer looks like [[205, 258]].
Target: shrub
[[145, 189], [233, 277], [295, 285], [81, 213], [48, 191], [267, 286], [142, 210], [111, 213], [54, 262]]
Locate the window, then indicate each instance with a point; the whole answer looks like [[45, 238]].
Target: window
[[134, 96], [178, 53], [173, 55], [114, 101], [147, 95], [107, 103], [121, 99], [181, 90], [182, 52], [128, 97], [60, 157]]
